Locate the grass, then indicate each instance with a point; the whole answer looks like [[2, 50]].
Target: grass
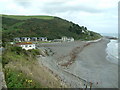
[[45, 26], [0, 67], [21, 17], [16, 79], [23, 65], [14, 27]]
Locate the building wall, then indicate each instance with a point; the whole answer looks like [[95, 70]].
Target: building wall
[[27, 39], [28, 46], [67, 39], [64, 38], [42, 39]]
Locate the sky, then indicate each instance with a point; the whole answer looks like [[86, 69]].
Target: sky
[[97, 15]]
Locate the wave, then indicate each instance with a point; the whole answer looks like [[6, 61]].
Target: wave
[[113, 47], [112, 51]]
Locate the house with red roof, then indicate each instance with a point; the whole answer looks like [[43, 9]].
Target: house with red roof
[[26, 45]]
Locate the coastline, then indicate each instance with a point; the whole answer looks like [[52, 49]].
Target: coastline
[[90, 64], [112, 51]]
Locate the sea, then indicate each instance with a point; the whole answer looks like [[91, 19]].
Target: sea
[[112, 48]]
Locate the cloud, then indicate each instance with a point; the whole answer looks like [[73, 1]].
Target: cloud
[[24, 4], [97, 15], [58, 8]]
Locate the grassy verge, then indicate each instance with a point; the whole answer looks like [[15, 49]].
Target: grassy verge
[[13, 76], [16, 79], [20, 17], [14, 54], [22, 70]]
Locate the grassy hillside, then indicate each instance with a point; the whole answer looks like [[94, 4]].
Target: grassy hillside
[[22, 70], [20, 17], [43, 26]]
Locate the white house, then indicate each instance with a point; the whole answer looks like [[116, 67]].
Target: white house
[[26, 45], [64, 38], [25, 39], [17, 39], [83, 31], [42, 38], [68, 39], [33, 38]]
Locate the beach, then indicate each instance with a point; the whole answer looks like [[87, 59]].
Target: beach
[[80, 63]]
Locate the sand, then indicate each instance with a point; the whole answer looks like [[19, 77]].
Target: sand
[[77, 63]]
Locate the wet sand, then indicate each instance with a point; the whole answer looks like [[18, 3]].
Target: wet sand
[[89, 63]]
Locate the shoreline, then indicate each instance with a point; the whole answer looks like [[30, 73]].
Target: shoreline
[[112, 52], [81, 68]]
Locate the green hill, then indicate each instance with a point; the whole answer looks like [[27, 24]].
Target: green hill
[[43, 26]]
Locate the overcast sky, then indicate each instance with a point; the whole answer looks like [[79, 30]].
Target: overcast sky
[[97, 15]]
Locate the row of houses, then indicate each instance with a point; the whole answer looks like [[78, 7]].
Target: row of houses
[[25, 43], [27, 39]]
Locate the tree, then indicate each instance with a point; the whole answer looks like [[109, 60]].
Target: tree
[[85, 28]]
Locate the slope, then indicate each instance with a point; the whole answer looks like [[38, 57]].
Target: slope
[[46, 26]]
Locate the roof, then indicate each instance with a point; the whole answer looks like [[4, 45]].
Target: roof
[[70, 38], [24, 37], [33, 37], [17, 38], [24, 43], [43, 37]]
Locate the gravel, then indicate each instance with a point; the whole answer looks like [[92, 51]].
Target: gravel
[[90, 64]]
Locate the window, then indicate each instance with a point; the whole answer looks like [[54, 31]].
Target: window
[[25, 45]]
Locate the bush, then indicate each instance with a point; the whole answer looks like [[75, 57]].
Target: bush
[[5, 60], [13, 53], [16, 79], [34, 51], [17, 50]]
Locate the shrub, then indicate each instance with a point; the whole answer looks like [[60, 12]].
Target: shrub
[[16, 79], [13, 53]]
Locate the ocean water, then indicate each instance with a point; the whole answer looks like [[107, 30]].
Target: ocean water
[[112, 49]]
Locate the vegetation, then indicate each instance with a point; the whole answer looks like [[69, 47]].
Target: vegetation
[[16, 79], [22, 69], [43, 26], [14, 53], [20, 17], [20, 66]]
